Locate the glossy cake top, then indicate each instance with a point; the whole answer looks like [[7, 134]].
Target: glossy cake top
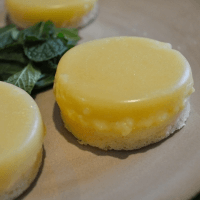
[[124, 69], [63, 13], [122, 92], [22, 133]]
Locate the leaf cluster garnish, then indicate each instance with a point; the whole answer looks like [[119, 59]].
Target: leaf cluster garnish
[[29, 58]]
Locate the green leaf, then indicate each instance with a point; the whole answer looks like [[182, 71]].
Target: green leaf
[[41, 45], [8, 35], [71, 43], [9, 68], [48, 66], [15, 33], [14, 53], [7, 29], [39, 32], [25, 79], [68, 34], [44, 81], [45, 50]]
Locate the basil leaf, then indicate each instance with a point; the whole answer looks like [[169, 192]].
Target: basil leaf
[[45, 50], [8, 35], [26, 78]]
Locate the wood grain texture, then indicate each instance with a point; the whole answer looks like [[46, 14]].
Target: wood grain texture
[[166, 170]]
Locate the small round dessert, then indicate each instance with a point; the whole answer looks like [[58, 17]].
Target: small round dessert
[[63, 13], [21, 140], [123, 92]]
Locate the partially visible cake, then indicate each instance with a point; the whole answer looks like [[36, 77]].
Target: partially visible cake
[[123, 92], [63, 13], [21, 140]]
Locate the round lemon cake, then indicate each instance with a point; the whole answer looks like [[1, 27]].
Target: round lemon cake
[[123, 92], [21, 140], [63, 13]]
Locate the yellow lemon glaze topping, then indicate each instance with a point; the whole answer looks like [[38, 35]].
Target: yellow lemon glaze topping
[[21, 135], [118, 87], [63, 13]]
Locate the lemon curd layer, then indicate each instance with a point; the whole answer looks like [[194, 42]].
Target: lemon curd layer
[[21, 136], [122, 92], [64, 13]]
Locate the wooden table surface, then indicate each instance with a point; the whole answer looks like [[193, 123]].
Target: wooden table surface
[[167, 170]]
